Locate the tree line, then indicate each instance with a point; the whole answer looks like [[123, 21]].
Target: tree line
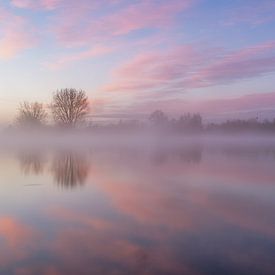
[[70, 107]]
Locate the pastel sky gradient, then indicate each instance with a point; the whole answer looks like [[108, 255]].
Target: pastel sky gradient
[[216, 57]]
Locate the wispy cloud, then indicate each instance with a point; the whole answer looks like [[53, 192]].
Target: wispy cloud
[[36, 4], [252, 13], [155, 70], [14, 38], [254, 103], [66, 60], [188, 67], [86, 22], [241, 64]]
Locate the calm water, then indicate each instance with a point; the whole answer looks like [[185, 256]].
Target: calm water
[[160, 210]]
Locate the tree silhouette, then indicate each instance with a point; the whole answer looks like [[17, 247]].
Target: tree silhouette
[[31, 114], [158, 118], [69, 106], [189, 122]]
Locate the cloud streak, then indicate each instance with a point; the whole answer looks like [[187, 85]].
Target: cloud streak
[[36, 4], [14, 38], [255, 13], [83, 23], [188, 67], [66, 60], [254, 103]]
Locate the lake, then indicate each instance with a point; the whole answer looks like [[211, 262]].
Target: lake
[[156, 209]]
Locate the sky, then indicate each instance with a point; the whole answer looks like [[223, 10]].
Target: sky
[[216, 57]]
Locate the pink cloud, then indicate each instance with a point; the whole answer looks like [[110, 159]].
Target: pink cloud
[[36, 4], [161, 66], [245, 63], [14, 37], [22, 3], [52, 4], [145, 14], [253, 103], [155, 70], [247, 102], [187, 67], [129, 86], [83, 23], [66, 60]]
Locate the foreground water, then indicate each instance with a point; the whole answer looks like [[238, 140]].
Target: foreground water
[[188, 209]]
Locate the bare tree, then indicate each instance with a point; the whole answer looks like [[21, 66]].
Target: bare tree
[[31, 114], [69, 106], [158, 118]]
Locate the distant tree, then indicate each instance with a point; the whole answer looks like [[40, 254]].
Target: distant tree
[[31, 114], [69, 106], [158, 118], [189, 122], [238, 125], [196, 122]]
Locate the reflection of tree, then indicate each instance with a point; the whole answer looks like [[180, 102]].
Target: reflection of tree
[[249, 151], [70, 170], [159, 158], [191, 154], [31, 163], [186, 154]]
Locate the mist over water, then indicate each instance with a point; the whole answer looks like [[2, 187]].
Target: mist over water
[[136, 204], [137, 137]]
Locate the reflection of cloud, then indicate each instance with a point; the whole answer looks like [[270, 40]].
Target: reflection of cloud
[[17, 240], [148, 189], [192, 154], [106, 245], [70, 169], [36, 268], [186, 154], [175, 218]]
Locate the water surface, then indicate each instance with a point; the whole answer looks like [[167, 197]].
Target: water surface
[[190, 209]]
